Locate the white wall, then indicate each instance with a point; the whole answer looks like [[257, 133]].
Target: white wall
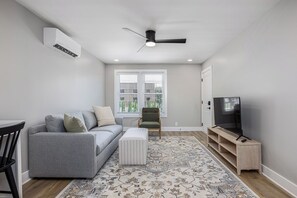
[[261, 67], [36, 80], [183, 93]]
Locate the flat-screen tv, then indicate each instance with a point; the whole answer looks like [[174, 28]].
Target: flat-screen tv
[[227, 113]]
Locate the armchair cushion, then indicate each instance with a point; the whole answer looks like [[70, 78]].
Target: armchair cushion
[[149, 125], [150, 114], [151, 117]]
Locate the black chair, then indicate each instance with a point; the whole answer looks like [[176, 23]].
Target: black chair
[[8, 139]]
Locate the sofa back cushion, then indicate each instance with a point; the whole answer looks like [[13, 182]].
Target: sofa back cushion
[[54, 123], [90, 119], [74, 123]]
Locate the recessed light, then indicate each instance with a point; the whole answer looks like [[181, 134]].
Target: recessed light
[[190, 60], [116, 60]]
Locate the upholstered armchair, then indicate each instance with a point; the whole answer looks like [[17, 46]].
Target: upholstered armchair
[[150, 119]]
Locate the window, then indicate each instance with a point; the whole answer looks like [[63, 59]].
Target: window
[[128, 93], [135, 89]]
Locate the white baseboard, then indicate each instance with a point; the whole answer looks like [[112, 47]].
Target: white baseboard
[[279, 180], [176, 128], [181, 128], [25, 177]]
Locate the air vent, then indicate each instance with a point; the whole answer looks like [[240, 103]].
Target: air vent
[[65, 50]]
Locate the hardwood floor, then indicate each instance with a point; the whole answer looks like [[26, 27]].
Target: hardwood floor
[[41, 188]]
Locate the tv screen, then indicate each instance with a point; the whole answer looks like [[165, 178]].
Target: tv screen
[[227, 113]]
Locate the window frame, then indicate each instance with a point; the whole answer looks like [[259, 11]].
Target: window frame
[[140, 90]]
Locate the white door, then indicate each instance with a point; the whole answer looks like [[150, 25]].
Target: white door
[[206, 91]]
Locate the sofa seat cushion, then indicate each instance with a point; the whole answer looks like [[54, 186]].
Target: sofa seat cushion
[[103, 138], [149, 125], [115, 129]]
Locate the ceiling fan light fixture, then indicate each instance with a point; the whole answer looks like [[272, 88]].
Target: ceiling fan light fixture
[[150, 39], [150, 44]]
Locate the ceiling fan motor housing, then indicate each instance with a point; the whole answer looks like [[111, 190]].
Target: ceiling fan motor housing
[[150, 35]]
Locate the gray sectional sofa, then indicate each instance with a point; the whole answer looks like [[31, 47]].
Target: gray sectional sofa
[[62, 154]]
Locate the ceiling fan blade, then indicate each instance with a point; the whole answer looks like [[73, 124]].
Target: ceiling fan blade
[[172, 41], [127, 29], [141, 48]]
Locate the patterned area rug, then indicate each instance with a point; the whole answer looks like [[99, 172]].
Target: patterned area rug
[[177, 167]]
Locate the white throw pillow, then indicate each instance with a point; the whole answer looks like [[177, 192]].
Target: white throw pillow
[[104, 115]]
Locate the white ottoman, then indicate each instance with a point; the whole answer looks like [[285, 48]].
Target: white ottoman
[[133, 147]]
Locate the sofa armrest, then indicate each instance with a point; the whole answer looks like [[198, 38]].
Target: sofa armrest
[[37, 129], [62, 154], [119, 121]]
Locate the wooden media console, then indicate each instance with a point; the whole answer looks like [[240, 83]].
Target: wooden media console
[[241, 155]]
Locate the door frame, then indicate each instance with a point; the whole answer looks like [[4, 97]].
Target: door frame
[[207, 69]]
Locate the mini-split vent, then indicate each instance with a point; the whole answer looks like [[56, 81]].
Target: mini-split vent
[[57, 40], [65, 50]]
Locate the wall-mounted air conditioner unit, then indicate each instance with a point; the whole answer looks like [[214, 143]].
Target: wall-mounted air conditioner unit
[[54, 38]]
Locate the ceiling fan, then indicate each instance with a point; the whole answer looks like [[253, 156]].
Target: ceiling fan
[[151, 40]]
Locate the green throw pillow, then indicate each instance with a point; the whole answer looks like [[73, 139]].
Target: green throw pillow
[[74, 124]]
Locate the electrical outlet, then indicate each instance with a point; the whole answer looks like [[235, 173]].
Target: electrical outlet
[[176, 123]]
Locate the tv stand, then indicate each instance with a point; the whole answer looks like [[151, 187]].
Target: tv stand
[[242, 155], [242, 136]]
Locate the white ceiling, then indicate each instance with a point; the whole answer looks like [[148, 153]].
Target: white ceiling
[[97, 25]]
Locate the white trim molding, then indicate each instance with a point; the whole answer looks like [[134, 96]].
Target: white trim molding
[[25, 177], [280, 181], [174, 128], [182, 128]]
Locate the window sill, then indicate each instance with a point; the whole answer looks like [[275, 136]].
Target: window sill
[[134, 115]]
